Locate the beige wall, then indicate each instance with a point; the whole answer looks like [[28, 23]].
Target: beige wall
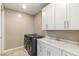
[[16, 27], [38, 24], [68, 35]]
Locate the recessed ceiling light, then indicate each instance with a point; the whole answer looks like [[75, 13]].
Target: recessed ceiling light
[[24, 6]]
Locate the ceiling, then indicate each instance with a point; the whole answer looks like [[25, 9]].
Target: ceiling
[[32, 8]]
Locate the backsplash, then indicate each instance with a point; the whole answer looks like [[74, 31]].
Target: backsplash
[[65, 34]]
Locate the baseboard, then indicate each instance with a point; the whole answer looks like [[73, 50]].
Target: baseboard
[[12, 49]]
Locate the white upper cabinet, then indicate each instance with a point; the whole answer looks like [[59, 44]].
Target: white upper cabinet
[[74, 16], [54, 17], [48, 17], [44, 18], [60, 16]]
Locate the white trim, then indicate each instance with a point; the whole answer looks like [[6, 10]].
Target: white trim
[[2, 25], [12, 49]]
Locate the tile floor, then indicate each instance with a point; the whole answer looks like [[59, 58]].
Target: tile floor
[[16, 52]]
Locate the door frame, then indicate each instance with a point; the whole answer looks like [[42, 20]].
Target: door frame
[[2, 27]]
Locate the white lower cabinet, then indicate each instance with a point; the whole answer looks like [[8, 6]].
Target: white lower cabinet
[[53, 51], [56, 52], [64, 53], [41, 49], [48, 50], [44, 49]]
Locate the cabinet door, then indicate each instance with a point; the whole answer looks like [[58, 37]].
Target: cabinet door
[[53, 51], [41, 48], [74, 16], [48, 17], [49, 52], [60, 16], [56, 51], [64, 53]]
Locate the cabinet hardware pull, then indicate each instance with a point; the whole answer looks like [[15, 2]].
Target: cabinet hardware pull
[[1, 37], [65, 24], [46, 26]]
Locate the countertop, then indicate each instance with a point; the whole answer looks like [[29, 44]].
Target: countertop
[[71, 48]]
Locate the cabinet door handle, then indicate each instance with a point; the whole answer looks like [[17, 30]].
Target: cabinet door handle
[[1, 37], [64, 24], [67, 24], [46, 26]]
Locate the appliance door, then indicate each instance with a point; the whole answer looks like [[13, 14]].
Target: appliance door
[[34, 47], [25, 42], [30, 46]]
